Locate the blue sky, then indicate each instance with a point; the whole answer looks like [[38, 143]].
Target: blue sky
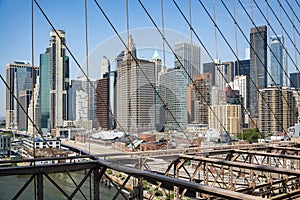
[[15, 23]]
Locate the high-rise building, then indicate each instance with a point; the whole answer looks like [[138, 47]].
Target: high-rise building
[[258, 65], [278, 63], [102, 104], [210, 68], [241, 83], [228, 117], [34, 108], [45, 77], [176, 97], [19, 79], [295, 80], [157, 60], [189, 56], [105, 66], [81, 103], [59, 79], [136, 97], [275, 114], [106, 101], [54, 82], [230, 71], [201, 96], [242, 68]]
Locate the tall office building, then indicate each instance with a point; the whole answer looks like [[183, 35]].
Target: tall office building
[[242, 68], [278, 63], [295, 80], [229, 70], [105, 66], [136, 97], [45, 75], [158, 65], [258, 65], [81, 103], [189, 56], [176, 93], [241, 83], [201, 96], [275, 114], [228, 117], [19, 79], [34, 108], [210, 68], [106, 101], [54, 82]]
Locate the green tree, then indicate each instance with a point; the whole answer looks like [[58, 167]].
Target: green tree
[[252, 135]]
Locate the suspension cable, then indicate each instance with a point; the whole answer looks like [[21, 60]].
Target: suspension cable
[[184, 68], [206, 50], [82, 70], [137, 63]]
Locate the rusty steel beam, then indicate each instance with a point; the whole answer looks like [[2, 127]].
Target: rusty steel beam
[[170, 181], [287, 195], [268, 154], [245, 165], [6, 171]]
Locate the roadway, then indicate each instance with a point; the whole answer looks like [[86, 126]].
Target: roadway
[[90, 147]]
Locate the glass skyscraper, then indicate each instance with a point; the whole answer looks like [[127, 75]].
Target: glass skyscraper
[[176, 97], [258, 65], [277, 61], [45, 89], [19, 79], [189, 56], [54, 82]]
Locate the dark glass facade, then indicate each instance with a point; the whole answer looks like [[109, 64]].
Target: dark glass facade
[[258, 65]]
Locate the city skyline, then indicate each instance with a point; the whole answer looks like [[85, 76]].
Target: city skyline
[[73, 25]]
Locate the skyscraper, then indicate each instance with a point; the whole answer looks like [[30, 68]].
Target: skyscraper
[[81, 104], [176, 94], [54, 81], [189, 56], [136, 97], [34, 108], [281, 115], [278, 63], [258, 65], [19, 79], [106, 101], [295, 80], [45, 75], [242, 67], [201, 96], [105, 66], [210, 68], [228, 117]]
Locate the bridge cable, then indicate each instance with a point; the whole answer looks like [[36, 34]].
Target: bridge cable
[[82, 70], [197, 36], [258, 58], [271, 51], [267, 44], [189, 76], [137, 63]]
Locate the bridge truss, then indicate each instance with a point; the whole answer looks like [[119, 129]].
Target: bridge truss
[[227, 172]]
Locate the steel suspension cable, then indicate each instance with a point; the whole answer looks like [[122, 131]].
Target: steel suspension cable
[[82, 70], [256, 56], [235, 53], [277, 60], [137, 63], [183, 67], [271, 51], [206, 50]]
